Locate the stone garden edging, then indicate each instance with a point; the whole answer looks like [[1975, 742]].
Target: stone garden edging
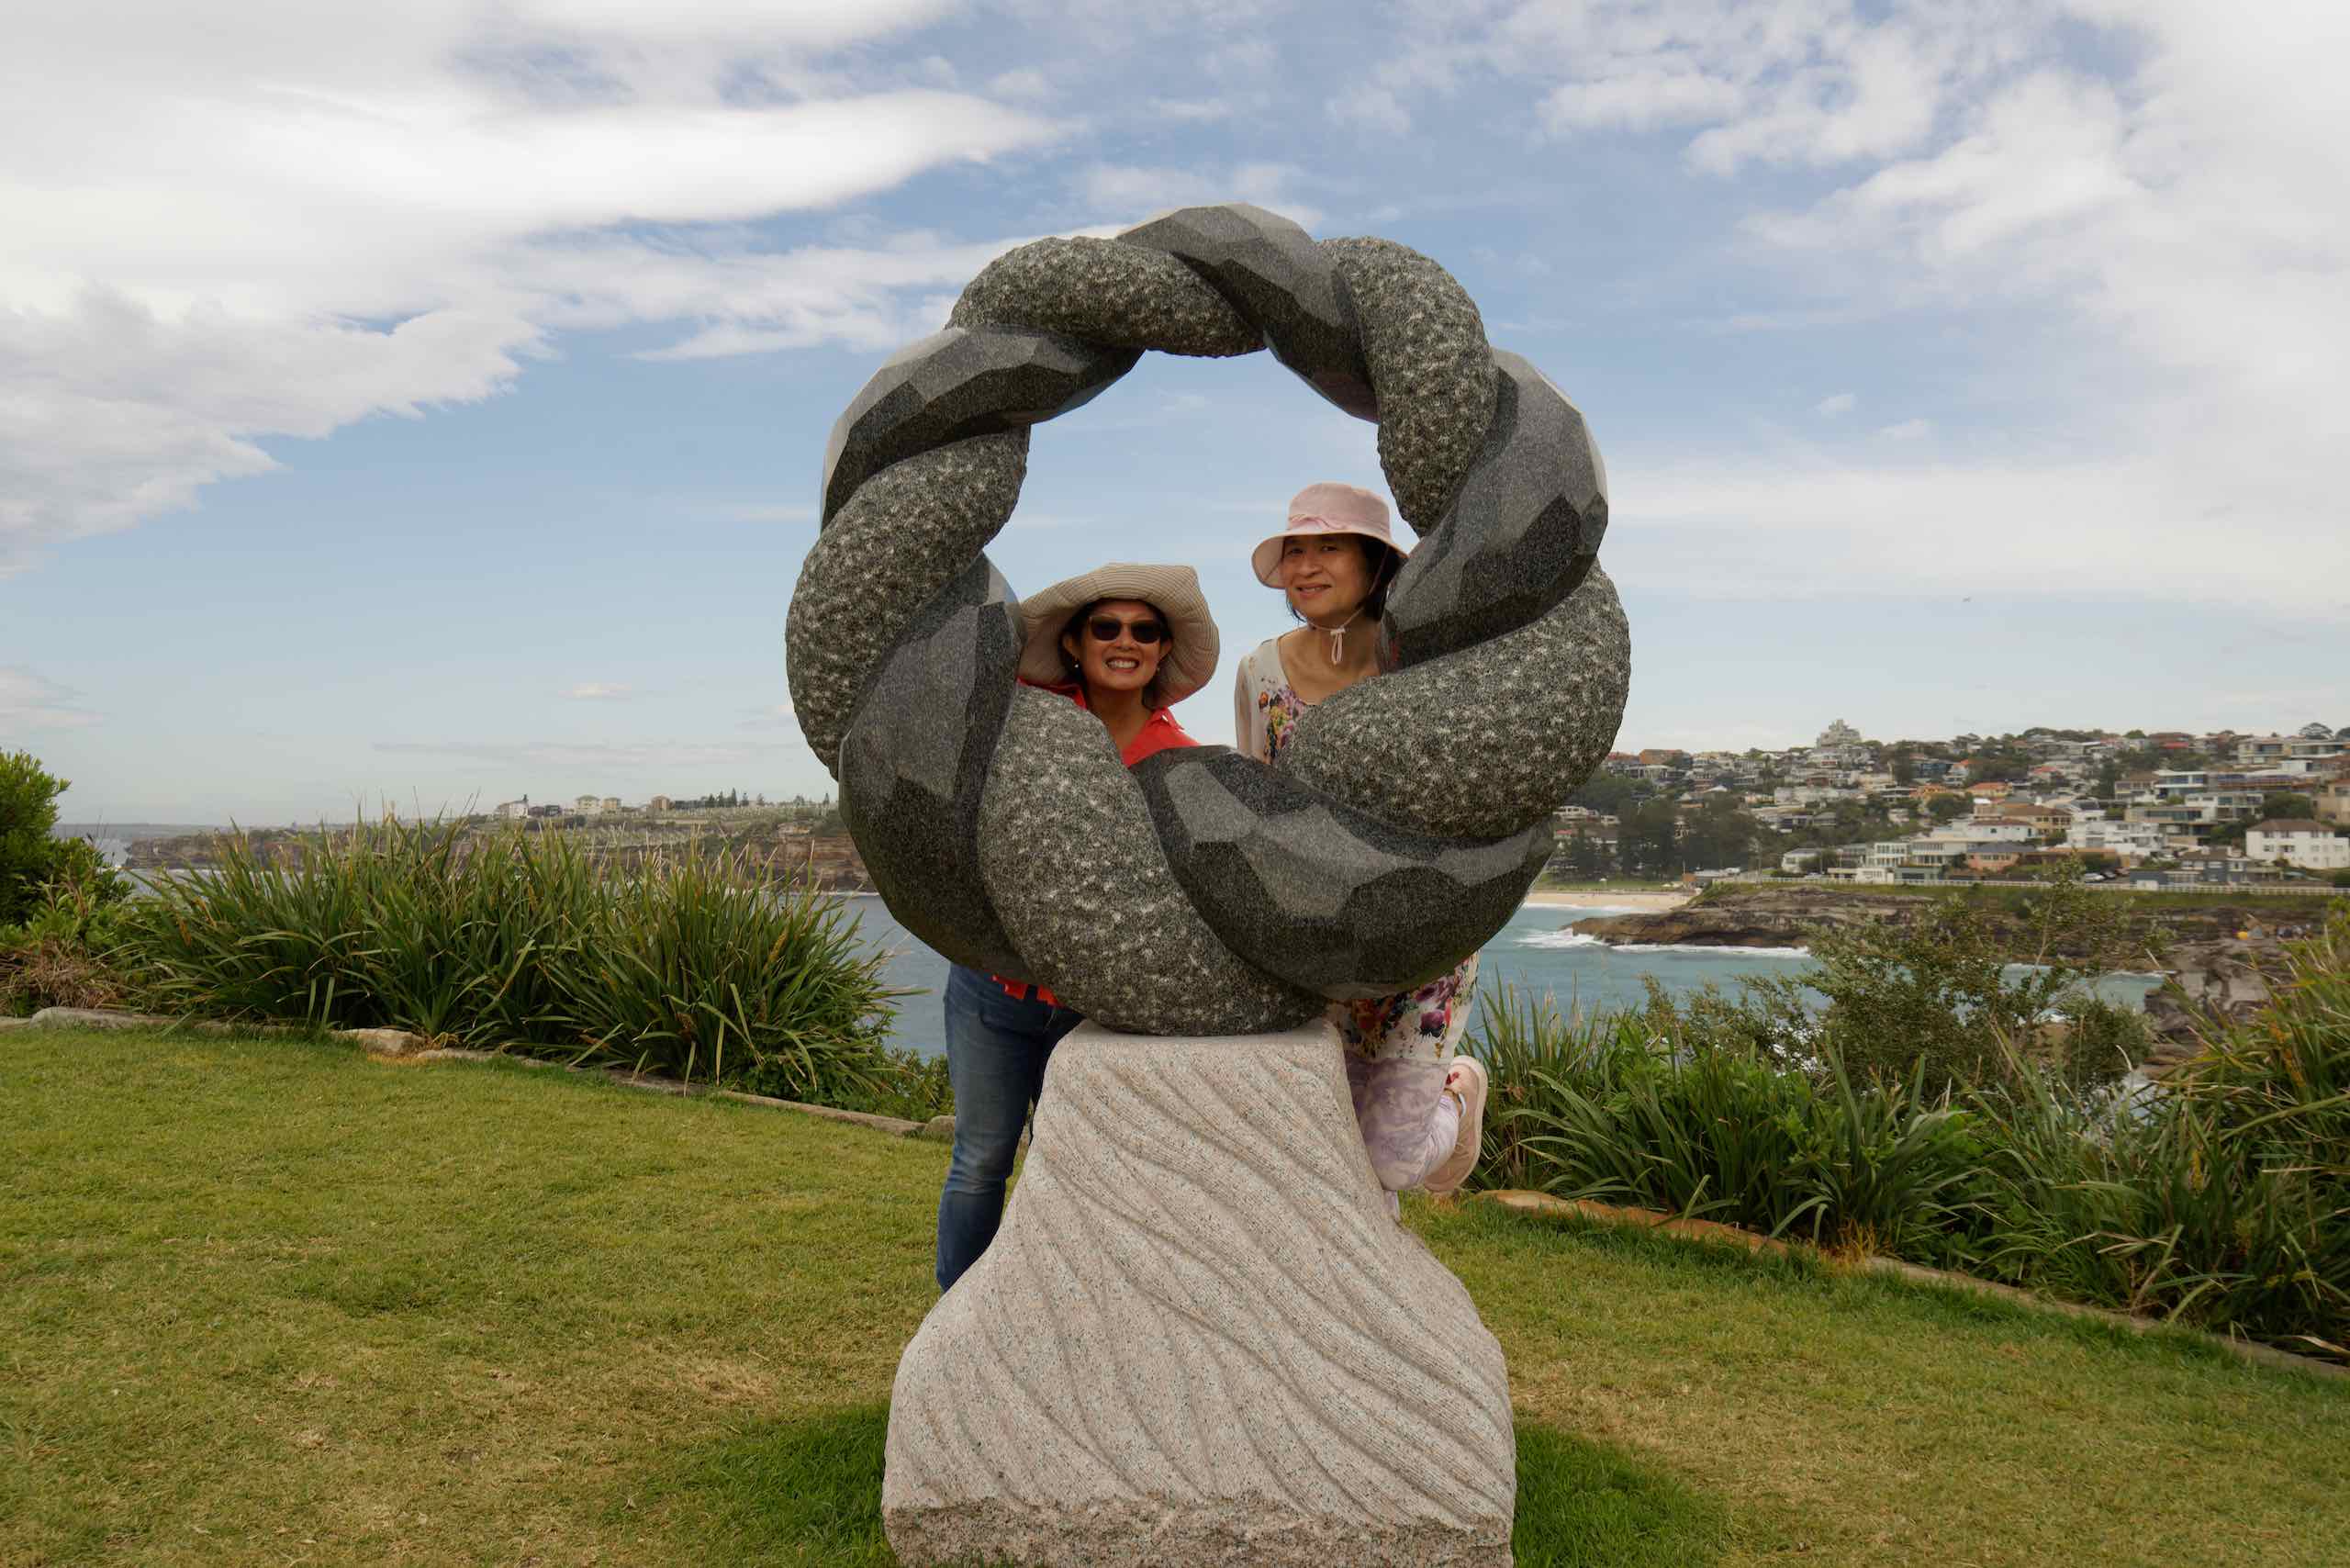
[[1914, 1273]]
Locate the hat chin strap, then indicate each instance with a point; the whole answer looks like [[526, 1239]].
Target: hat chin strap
[[1338, 634]]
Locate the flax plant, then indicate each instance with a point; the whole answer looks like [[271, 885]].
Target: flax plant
[[1625, 1111], [709, 966], [2223, 1201], [700, 967], [415, 926]]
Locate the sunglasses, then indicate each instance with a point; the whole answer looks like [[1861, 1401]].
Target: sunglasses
[[1105, 628]]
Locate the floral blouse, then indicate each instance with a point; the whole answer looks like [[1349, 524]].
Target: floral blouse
[[1425, 1023]]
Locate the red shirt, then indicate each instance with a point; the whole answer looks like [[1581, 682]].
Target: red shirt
[[1160, 733]]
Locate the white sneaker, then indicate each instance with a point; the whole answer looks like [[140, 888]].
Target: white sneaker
[[1470, 1081]]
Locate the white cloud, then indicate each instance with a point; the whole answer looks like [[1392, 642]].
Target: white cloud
[[31, 702], [1026, 82], [1835, 405], [2161, 191], [2122, 528], [1371, 108], [1191, 111], [278, 218], [1129, 191], [599, 691], [1906, 429]]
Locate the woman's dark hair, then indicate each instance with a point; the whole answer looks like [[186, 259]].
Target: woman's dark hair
[[1383, 561], [1073, 631]]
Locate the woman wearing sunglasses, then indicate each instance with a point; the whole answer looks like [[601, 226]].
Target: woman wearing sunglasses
[[1421, 1104], [1125, 642]]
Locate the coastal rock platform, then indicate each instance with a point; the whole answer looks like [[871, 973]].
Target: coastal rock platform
[[1200, 1338]]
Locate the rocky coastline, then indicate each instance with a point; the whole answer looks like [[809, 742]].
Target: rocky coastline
[[2220, 959]]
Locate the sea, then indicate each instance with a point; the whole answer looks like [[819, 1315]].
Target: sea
[[1535, 952]]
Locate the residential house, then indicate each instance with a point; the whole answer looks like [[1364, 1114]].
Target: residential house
[[2049, 822], [658, 804], [2132, 841], [2210, 867], [2298, 841], [2334, 803]]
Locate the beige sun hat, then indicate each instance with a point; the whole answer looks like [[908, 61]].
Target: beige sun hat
[[1326, 508], [1173, 591]]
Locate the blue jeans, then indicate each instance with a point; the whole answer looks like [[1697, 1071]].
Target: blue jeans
[[997, 1047]]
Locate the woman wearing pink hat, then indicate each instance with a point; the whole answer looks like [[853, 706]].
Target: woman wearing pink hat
[[1420, 1103]]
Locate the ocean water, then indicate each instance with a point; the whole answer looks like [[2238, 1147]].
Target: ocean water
[[1534, 952]]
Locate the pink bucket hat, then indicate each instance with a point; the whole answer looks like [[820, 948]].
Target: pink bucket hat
[[1324, 508]]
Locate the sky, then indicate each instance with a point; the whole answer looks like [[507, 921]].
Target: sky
[[423, 405]]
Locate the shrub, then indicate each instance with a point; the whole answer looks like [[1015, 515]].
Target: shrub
[[1674, 1118], [29, 857], [2219, 1199], [703, 966], [410, 926], [694, 958], [1936, 997], [58, 957]]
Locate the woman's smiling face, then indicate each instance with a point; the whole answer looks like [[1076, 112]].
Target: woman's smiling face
[[1325, 575], [1121, 663]]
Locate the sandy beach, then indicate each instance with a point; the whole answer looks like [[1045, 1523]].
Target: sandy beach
[[1638, 901]]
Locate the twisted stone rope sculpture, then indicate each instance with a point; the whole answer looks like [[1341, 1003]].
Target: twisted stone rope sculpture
[[1204, 892]]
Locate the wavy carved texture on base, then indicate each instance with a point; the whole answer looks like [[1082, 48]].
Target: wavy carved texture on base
[[1200, 1338]]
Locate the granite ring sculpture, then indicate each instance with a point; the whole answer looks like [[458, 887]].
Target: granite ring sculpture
[[1204, 892]]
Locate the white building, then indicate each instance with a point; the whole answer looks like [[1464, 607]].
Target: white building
[[511, 811], [2297, 841], [2132, 841]]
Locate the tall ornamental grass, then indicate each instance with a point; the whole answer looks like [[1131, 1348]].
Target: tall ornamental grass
[[703, 966], [2218, 1199], [2223, 1200], [1623, 1111]]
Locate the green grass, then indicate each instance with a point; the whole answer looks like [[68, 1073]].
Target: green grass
[[275, 1302], [807, 1490]]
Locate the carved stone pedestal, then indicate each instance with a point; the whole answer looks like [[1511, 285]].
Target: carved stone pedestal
[[1200, 1339]]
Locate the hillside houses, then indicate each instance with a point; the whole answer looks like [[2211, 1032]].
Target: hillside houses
[[2181, 807]]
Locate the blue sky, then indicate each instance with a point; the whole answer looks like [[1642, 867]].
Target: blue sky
[[426, 405]]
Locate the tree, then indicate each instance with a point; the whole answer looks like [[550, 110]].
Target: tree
[[28, 855], [1936, 997], [2285, 804], [1650, 841], [1944, 808], [1582, 856], [1905, 766], [1720, 834], [1610, 794]]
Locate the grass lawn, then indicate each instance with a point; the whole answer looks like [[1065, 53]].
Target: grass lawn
[[277, 1303]]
